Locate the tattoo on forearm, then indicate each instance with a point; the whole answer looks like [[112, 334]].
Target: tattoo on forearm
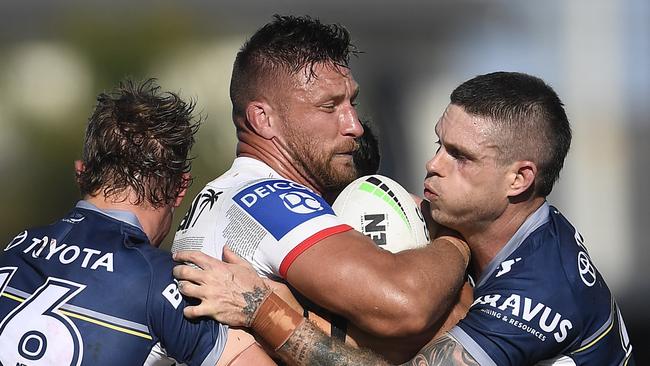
[[308, 345], [253, 300], [443, 351]]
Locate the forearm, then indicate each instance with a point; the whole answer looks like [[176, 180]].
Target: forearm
[[300, 342], [308, 345]]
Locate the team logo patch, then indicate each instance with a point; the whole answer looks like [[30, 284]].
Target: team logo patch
[[300, 202], [281, 205], [506, 266], [586, 269], [205, 199], [75, 218]]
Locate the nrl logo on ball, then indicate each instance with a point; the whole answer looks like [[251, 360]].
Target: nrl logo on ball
[[383, 210]]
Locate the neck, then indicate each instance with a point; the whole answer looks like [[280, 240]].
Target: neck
[[149, 217], [486, 241], [272, 154]]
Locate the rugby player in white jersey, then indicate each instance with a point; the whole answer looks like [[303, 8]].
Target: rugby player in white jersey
[[539, 299], [294, 99]]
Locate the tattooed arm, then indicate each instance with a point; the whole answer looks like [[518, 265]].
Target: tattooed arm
[[443, 351], [235, 295], [310, 346]]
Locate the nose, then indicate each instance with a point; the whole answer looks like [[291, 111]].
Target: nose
[[433, 166], [350, 124]]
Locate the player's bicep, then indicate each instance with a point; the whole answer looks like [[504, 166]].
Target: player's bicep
[[338, 270], [443, 351], [348, 275]]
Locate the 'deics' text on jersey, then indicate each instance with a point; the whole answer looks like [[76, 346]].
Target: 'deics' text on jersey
[[266, 219]]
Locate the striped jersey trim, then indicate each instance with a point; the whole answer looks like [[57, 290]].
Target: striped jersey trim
[[94, 317]]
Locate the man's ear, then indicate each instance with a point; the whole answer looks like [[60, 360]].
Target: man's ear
[[522, 175], [260, 116], [79, 168], [187, 178]]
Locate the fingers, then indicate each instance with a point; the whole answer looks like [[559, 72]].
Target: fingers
[[231, 257], [190, 289], [188, 273], [197, 257], [195, 311]]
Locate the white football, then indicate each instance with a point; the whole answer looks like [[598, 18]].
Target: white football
[[383, 210]]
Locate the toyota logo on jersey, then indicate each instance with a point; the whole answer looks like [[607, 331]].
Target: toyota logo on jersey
[[280, 205], [300, 202]]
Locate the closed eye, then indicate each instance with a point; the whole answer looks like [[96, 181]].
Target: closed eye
[[328, 106], [456, 154]]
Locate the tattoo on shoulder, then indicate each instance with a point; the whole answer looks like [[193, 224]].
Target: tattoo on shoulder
[[443, 351], [253, 301]]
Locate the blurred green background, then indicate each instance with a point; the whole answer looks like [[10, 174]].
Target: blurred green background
[[58, 55]]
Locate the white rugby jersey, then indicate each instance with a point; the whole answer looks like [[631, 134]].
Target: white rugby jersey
[[542, 301], [266, 219], [91, 290]]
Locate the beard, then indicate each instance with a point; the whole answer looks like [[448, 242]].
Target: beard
[[330, 172]]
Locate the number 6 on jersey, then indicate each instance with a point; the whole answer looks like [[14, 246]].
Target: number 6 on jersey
[[36, 332]]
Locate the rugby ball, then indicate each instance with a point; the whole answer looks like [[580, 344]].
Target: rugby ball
[[383, 210]]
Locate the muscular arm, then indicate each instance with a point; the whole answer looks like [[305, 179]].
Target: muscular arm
[[443, 351], [233, 294], [310, 346], [375, 289]]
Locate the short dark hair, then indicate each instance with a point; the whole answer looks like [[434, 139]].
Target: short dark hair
[[287, 45], [529, 118], [138, 138], [367, 156]]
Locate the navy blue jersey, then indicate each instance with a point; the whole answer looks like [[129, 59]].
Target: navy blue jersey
[[541, 300], [91, 290]]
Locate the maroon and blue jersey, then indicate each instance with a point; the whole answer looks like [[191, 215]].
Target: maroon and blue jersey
[[542, 301], [90, 289]]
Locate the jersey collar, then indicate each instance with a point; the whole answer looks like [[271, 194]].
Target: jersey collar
[[537, 219], [242, 162], [120, 215]]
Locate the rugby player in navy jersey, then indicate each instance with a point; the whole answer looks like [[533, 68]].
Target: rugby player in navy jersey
[[538, 297], [93, 288], [294, 109]]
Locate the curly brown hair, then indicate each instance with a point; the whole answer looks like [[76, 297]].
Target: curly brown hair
[[138, 138]]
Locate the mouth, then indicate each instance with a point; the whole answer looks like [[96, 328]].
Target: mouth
[[345, 155], [349, 148], [429, 192]]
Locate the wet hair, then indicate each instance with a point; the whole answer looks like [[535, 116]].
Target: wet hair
[[366, 156], [138, 138], [528, 118], [282, 48]]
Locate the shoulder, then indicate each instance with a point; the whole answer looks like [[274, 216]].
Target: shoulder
[[547, 292]]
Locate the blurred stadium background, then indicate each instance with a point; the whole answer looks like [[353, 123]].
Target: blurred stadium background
[[57, 55]]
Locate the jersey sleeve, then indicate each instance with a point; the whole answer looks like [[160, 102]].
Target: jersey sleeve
[[192, 342], [271, 222]]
